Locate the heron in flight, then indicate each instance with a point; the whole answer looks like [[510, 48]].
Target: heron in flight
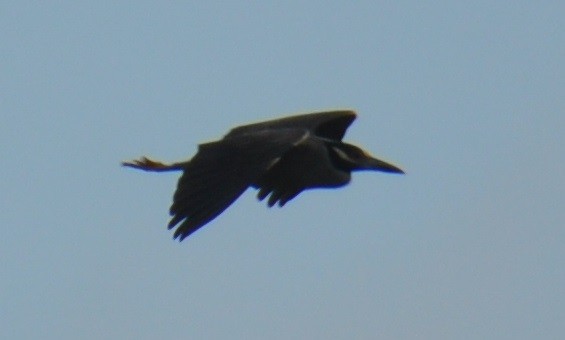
[[281, 158]]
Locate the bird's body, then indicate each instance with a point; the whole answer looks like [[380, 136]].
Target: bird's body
[[279, 157]]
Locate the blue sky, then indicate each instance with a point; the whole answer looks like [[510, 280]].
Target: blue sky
[[467, 97]]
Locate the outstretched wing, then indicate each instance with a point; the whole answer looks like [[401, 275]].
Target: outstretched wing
[[327, 124], [221, 171]]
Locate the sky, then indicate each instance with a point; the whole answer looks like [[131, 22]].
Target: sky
[[467, 97]]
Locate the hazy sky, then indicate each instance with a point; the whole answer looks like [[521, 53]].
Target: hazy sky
[[468, 97]]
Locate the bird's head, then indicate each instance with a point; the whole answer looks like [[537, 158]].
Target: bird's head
[[351, 157]]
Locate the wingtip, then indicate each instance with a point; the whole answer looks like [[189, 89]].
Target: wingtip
[[179, 237], [179, 234], [174, 221]]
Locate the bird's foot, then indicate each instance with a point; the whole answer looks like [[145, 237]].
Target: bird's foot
[[147, 164]]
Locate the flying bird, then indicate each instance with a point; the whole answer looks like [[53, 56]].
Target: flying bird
[[281, 158]]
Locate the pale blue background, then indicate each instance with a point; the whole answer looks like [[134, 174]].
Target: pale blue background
[[468, 97]]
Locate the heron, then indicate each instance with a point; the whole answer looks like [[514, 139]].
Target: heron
[[280, 158]]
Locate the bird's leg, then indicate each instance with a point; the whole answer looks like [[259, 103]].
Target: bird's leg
[[147, 164]]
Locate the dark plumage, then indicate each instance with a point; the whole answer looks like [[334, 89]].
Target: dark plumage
[[280, 157]]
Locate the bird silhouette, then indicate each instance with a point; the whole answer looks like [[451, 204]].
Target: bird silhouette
[[280, 158]]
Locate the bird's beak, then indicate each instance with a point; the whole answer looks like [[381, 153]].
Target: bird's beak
[[379, 165]]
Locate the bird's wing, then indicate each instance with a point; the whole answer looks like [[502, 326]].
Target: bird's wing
[[328, 124], [221, 171], [308, 165]]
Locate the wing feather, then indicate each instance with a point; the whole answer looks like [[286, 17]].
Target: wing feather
[[221, 171], [327, 124]]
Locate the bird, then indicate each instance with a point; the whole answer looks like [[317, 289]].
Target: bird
[[280, 158]]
